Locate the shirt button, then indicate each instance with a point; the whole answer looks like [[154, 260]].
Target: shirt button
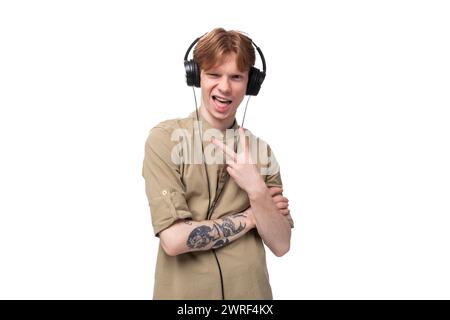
[[164, 192]]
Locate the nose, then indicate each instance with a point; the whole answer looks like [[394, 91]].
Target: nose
[[224, 85]]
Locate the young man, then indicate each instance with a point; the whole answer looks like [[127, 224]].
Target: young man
[[212, 203]]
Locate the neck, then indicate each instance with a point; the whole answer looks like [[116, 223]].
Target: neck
[[215, 123]]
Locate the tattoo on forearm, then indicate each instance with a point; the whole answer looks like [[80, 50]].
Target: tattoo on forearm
[[219, 233]]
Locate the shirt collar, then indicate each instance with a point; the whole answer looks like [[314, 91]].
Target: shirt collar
[[206, 125]]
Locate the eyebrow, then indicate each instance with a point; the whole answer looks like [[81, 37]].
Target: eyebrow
[[233, 73]]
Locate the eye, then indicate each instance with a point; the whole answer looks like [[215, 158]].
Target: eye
[[212, 75], [237, 77]]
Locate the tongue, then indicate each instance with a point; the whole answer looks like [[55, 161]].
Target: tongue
[[221, 105]]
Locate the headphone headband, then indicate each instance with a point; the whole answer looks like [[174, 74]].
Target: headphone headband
[[254, 44]]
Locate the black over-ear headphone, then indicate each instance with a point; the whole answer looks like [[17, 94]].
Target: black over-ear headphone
[[255, 76]]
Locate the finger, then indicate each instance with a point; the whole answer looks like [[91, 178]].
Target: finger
[[225, 148], [231, 171], [243, 139], [282, 205], [280, 198], [275, 190]]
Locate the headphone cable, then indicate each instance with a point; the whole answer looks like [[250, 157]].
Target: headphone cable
[[211, 209], [203, 152], [245, 111]]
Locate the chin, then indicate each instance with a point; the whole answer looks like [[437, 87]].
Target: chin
[[222, 115]]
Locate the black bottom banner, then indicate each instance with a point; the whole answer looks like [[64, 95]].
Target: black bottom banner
[[239, 309]]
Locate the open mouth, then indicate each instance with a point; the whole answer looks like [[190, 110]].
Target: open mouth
[[221, 101]]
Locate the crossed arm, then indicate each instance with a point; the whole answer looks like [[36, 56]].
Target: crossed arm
[[266, 204], [187, 235]]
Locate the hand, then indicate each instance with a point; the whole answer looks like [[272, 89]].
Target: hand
[[281, 202], [241, 167]]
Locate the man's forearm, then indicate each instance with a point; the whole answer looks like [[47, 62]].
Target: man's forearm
[[187, 235], [273, 227]]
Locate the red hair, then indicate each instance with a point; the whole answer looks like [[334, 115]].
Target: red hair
[[212, 47]]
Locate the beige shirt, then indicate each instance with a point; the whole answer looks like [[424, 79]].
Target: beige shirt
[[176, 188]]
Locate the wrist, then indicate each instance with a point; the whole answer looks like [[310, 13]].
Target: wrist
[[250, 219], [257, 191]]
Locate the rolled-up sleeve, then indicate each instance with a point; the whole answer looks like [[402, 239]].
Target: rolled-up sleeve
[[163, 181]]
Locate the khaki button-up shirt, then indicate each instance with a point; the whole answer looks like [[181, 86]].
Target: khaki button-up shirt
[[177, 188]]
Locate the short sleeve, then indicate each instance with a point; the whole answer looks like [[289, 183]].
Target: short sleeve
[[273, 176], [163, 182]]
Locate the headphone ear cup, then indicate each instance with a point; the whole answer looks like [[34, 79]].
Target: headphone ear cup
[[255, 80], [192, 73]]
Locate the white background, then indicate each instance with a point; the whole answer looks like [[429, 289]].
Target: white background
[[355, 105]]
